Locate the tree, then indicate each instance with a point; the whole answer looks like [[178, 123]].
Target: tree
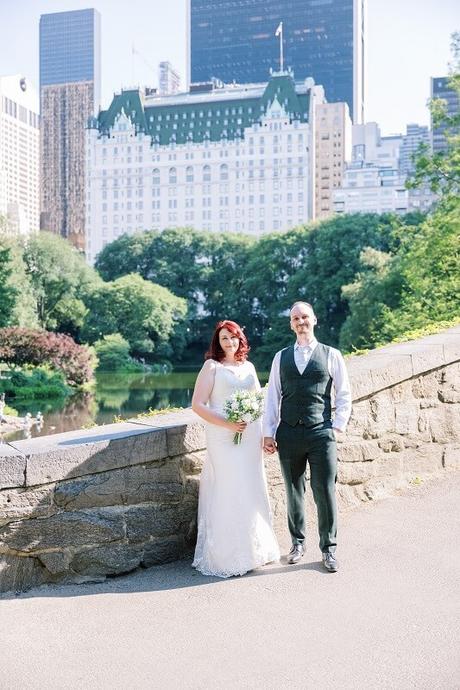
[[331, 260], [420, 284], [124, 255], [148, 316], [17, 306], [441, 170], [60, 281]]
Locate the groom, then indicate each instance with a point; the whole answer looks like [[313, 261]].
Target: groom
[[298, 422]]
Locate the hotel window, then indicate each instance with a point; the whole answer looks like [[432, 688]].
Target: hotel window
[[189, 174], [206, 173], [172, 176]]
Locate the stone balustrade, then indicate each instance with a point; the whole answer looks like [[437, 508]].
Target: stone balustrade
[[88, 504]]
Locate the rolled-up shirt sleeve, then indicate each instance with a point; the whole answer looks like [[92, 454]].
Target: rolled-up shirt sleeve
[[273, 399], [339, 375]]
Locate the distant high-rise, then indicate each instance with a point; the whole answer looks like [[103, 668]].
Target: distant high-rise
[[69, 94], [333, 149], [19, 155], [168, 79], [323, 39], [440, 89], [415, 136]]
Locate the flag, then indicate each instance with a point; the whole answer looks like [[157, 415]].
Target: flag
[[279, 29]]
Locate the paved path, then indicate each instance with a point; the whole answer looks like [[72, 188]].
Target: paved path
[[388, 619]]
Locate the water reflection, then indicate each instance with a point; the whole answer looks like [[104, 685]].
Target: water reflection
[[115, 395]]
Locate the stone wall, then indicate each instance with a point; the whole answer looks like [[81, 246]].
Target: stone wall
[[89, 504]]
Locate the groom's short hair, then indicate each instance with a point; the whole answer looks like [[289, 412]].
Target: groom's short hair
[[307, 304]]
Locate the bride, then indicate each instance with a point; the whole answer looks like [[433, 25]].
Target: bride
[[235, 533]]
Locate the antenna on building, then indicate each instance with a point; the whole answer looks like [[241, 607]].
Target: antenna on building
[[142, 57], [279, 32]]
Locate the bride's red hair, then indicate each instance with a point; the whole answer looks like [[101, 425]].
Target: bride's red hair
[[215, 351]]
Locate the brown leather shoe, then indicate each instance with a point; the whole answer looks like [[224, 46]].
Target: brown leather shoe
[[295, 554]]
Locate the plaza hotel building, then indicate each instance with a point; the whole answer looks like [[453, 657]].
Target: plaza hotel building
[[220, 158]]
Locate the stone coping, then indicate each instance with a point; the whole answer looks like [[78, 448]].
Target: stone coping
[[47, 459]]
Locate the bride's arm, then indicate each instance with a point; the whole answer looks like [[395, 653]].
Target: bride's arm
[[256, 378], [203, 389]]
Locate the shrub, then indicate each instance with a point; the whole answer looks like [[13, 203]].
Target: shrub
[[34, 382], [33, 346], [113, 354]]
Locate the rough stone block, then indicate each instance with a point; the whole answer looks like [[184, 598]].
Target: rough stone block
[[444, 424], [389, 465], [382, 417], [113, 559], [355, 472], [349, 496], [192, 487], [378, 489], [358, 451], [56, 562], [350, 452], [426, 403], [20, 573], [144, 522], [76, 453], [12, 467], [451, 457], [16, 504], [64, 529], [160, 482], [192, 463], [391, 444], [451, 344], [406, 418], [425, 386], [164, 550], [185, 439], [449, 395], [389, 369], [400, 393], [424, 460]]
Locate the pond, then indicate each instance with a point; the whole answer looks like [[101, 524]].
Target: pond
[[115, 396]]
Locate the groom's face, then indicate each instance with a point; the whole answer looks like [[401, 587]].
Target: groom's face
[[303, 320]]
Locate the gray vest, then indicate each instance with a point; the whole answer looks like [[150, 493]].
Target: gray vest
[[306, 398]]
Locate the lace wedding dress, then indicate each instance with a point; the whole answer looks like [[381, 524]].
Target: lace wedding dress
[[235, 533]]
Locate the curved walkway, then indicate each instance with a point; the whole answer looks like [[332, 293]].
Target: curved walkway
[[388, 619]]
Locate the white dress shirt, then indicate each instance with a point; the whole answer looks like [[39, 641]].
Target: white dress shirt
[[337, 372]]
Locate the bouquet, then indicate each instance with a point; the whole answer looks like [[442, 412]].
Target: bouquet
[[244, 406]]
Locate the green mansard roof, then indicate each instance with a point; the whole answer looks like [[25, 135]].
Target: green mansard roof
[[214, 115]]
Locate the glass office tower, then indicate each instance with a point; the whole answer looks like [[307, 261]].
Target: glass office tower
[[69, 94], [323, 39], [441, 88]]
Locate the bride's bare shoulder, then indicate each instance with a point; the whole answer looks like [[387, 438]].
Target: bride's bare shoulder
[[210, 365]]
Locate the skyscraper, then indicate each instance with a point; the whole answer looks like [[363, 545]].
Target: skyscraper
[[69, 94], [19, 155], [323, 39], [415, 136], [168, 79], [441, 89]]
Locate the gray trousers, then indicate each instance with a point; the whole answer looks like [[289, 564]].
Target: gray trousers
[[317, 446]]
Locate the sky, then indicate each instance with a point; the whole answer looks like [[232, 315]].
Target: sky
[[408, 41]]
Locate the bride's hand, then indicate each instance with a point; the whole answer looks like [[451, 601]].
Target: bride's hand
[[236, 426]]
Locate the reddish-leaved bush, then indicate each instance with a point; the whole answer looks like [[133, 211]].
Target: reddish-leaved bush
[[61, 352]]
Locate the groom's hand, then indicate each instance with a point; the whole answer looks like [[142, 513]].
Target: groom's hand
[[269, 444]]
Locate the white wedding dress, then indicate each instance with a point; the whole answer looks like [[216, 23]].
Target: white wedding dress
[[235, 531]]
